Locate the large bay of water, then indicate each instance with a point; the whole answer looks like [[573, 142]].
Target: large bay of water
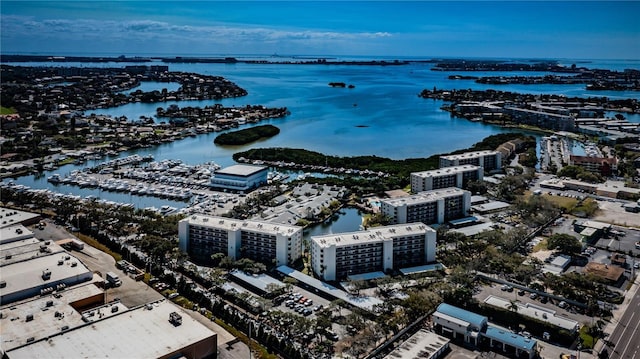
[[398, 124]]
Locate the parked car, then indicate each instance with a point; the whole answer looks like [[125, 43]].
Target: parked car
[[562, 304], [533, 296]]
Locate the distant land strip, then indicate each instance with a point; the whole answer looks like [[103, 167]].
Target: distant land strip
[[247, 135], [221, 60]]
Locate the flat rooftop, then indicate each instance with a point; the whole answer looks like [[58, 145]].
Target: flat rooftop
[[422, 269], [15, 330], [466, 155], [240, 170], [26, 249], [136, 333], [423, 344], [425, 197], [10, 216], [14, 232], [535, 312], [595, 224], [260, 281], [25, 275], [446, 171], [375, 234], [245, 225], [475, 229], [491, 206]]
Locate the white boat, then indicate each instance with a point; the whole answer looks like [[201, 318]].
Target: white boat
[[54, 178]]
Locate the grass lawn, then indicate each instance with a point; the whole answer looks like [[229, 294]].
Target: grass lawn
[[541, 246], [7, 110], [587, 340], [567, 203], [95, 244]]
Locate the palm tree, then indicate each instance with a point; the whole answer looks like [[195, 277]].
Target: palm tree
[[513, 306]]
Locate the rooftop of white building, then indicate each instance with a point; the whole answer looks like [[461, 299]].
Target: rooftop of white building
[[240, 170], [14, 232], [137, 333], [446, 171], [376, 234], [536, 312], [28, 274], [49, 315], [423, 344], [472, 154], [245, 225], [426, 196], [26, 249], [10, 216]]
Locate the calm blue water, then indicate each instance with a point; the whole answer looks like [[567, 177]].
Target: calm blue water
[[325, 119], [346, 220]]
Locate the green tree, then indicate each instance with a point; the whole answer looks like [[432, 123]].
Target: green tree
[[566, 243]]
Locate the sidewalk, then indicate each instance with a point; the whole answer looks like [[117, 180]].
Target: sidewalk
[[617, 314]]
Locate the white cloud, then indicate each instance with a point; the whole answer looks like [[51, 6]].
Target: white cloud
[[14, 27]]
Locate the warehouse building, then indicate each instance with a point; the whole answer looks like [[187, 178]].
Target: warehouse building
[[156, 330]]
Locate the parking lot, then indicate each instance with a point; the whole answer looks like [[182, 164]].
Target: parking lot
[[525, 297]]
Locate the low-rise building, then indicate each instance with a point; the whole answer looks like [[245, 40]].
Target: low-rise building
[[474, 329], [201, 236], [429, 207], [489, 160], [241, 178], [336, 256], [155, 330], [30, 267], [423, 344], [456, 176]]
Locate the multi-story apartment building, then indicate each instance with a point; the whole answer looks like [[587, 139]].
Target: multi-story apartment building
[[336, 256], [202, 236], [545, 117], [489, 160], [430, 207], [605, 166], [456, 176]]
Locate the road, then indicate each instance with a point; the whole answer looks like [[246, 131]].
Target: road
[[625, 338]]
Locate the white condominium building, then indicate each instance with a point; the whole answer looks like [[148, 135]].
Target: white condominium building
[[336, 256], [489, 160], [430, 207], [202, 236], [456, 176]]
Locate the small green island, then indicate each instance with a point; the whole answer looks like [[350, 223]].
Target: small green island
[[247, 135]]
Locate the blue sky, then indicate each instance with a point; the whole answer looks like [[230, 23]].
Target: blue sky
[[512, 29]]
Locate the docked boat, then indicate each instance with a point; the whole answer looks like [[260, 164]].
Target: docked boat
[[54, 178]]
